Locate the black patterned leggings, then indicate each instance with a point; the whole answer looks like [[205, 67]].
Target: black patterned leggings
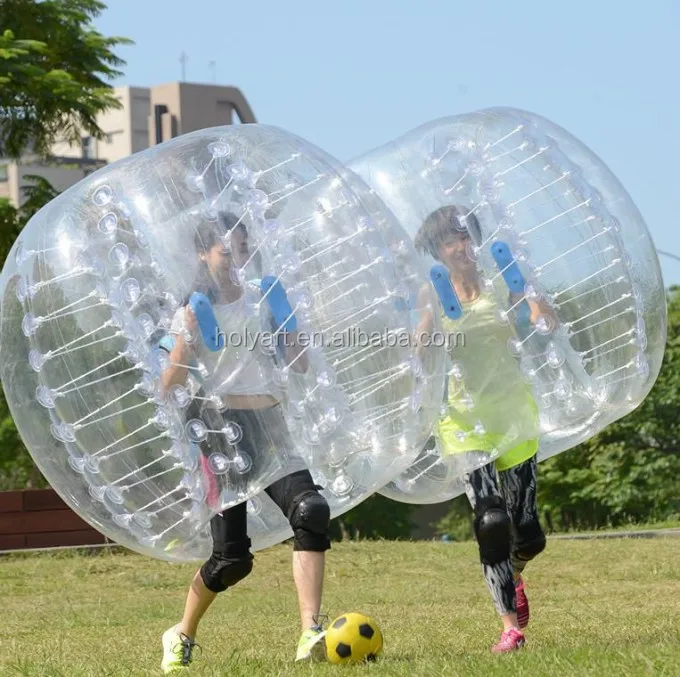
[[517, 487]]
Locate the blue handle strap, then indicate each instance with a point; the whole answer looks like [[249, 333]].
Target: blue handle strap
[[279, 305], [508, 267], [514, 280], [447, 295], [523, 315], [207, 322], [167, 343]]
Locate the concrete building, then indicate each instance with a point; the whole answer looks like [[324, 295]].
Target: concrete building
[[180, 107], [151, 115], [126, 129], [62, 173], [148, 116]]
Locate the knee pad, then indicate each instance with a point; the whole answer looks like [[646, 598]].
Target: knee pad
[[310, 519], [493, 530], [226, 568], [529, 540]]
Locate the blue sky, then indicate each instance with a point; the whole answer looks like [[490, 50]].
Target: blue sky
[[351, 75]]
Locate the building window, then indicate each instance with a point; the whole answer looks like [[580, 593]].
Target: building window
[[110, 137], [87, 145], [3, 173]]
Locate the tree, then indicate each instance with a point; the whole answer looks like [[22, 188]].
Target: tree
[[627, 473], [12, 219], [376, 517], [54, 68], [17, 470], [457, 523], [53, 71], [10, 226]]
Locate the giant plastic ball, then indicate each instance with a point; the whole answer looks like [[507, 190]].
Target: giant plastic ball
[[551, 288], [144, 350]]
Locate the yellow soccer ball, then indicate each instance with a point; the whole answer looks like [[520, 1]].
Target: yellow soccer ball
[[353, 638]]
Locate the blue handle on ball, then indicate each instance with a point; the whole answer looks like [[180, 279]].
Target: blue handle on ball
[[447, 295], [278, 303], [207, 322], [508, 266]]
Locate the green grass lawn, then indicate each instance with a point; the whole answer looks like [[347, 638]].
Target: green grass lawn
[[598, 608]]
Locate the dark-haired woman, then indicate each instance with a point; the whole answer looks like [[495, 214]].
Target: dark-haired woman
[[241, 375], [502, 494]]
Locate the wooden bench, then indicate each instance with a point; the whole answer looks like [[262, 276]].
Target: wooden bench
[[38, 518]]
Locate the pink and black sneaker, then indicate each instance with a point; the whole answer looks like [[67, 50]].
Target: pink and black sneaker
[[511, 640], [522, 604]]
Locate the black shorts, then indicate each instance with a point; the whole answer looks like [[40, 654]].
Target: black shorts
[[231, 526], [265, 440], [255, 448]]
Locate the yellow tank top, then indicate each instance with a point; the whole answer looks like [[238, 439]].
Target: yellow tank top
[[488, 405]]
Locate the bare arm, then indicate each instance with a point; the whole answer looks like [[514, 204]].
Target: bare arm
[[537, 307], [181, 353]]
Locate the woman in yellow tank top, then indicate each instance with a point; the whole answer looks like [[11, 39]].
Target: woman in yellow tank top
[[502, 494]]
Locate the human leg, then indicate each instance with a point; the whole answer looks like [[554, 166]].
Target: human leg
[[309, 516], [518, 484], [230, 562], [492, 529]]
